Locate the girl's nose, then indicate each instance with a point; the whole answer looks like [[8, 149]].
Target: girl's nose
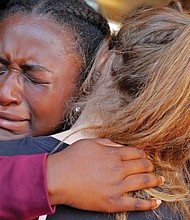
[[10, 89]]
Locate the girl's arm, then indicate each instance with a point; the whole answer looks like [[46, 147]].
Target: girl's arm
[[23, 187], [89, 174]]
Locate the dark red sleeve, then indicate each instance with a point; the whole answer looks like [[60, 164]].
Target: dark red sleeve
[[23, 190]]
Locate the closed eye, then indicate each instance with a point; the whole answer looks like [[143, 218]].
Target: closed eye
[[3, 65], [36, 74], [32, 79], [3, 70]]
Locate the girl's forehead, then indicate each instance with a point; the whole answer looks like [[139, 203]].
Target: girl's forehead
[[39, 28], [39, 41], [30, 21]]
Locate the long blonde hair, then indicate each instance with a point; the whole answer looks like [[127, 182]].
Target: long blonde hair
[[146, 103]]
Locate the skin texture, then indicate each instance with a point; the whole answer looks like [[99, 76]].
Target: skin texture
[[38, 72], [34, 86], [98, 179]]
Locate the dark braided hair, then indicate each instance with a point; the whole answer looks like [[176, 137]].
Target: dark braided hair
[[3, 4], [87, 26]]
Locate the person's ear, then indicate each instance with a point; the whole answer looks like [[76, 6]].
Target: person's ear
[[101, 63]]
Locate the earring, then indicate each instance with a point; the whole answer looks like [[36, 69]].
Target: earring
[[77, 109], [96, 75]]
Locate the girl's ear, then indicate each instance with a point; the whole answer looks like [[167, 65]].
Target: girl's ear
[[103, 63], [102, 58]]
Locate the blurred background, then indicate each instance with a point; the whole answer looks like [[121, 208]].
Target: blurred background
[[114, 9]]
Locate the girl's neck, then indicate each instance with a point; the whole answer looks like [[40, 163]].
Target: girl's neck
[[77, 131], [70, 136]]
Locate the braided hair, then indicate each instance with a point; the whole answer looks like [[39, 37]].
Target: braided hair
[[3, 4], [87, 26]]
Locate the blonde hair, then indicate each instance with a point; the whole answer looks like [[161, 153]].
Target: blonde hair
[[146, 103]]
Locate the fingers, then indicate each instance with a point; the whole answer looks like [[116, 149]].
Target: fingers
[[133, 204], [142, 181], [107, 142], [130, 153], [126, 153], [136, 166]]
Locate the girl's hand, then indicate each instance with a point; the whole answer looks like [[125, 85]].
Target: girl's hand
[[94, 174]]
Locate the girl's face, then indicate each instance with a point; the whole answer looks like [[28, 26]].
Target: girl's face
[[38, 71]]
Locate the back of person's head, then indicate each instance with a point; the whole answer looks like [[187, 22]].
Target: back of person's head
[[87, 26], [147, 101], [154, 69]]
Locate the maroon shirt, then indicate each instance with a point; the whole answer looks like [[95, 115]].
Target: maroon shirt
[[23, 187]]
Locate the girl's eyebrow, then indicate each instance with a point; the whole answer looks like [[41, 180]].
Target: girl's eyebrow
[[34, 67], [4, 61], [26, 66]]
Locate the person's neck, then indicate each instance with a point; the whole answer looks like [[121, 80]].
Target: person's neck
[[77, 131]]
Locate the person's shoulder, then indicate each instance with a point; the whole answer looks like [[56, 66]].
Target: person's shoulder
[[69, 213], [47, 143], [29, 145], [164, 212]]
